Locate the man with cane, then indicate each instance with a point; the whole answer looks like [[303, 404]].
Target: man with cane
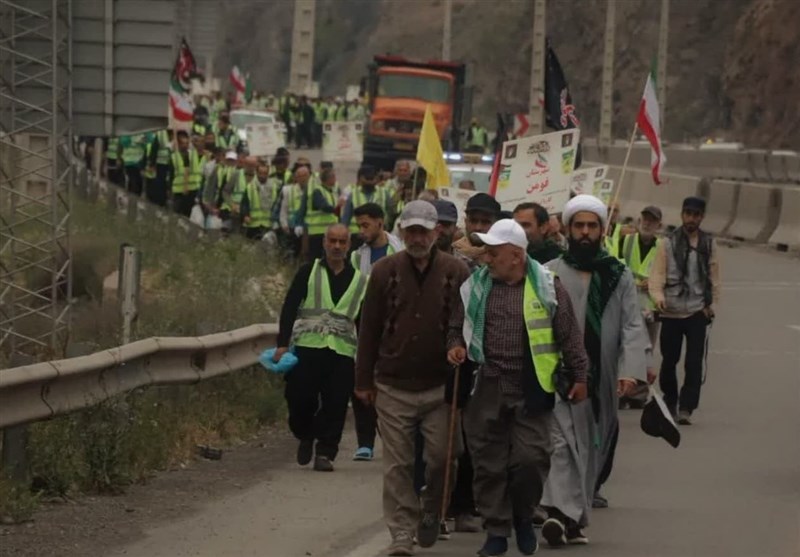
[[517, 324], [401, 368]]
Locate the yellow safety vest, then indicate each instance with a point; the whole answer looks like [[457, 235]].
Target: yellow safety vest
[[195, 172], [611, 243], [260, 216], [638, 266], [542, 340], [320, 323], [319, 221]]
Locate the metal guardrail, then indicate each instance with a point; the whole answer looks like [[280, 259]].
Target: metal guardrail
[[40, 391]]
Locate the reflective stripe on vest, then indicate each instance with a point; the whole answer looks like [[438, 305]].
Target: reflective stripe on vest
[[317, 221], [320, 324], [360, 198], [541, 339], [195, 172], [633, 256], [133, 152]]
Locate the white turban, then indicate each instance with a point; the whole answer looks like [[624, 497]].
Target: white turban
[[588, 203]]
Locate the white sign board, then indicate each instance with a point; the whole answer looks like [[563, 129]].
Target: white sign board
[[351, 93], [459, 198], [587, 179], [603, 190], [263, 140], [342, 141], [538, 169]]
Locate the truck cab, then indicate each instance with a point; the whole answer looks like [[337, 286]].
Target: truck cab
[[399, 91]]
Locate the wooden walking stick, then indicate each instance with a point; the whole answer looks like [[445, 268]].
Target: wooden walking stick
[[450, 443]]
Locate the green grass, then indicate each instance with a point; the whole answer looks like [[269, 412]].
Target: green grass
[[189, 288]]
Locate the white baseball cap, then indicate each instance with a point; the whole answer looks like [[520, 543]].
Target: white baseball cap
[[504, 231], [231, 156]]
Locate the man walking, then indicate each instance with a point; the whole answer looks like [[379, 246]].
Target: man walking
[[535, 221], [684, 283], [365, 191], [584, 436], [639, 252], [187, 174], [515, 322], [482, 212], [321, 207], [318, 318], [402, 369], [377, 244], [259, 197]]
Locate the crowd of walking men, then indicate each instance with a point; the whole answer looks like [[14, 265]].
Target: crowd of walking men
[[536, 333]]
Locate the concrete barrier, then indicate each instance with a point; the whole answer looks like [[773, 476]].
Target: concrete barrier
[[793, 168], [757, 159], [757, 211], [638, 191], [669, 197], [721, 199], [784, 166], [788, 231]]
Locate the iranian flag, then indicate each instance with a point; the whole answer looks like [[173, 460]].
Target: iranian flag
[[238, 80], [181, 104], [649, 121]]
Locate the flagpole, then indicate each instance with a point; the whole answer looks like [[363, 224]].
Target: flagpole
[[622, 175]]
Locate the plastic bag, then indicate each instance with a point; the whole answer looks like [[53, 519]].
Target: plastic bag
[[213, 222], [196, 216], [282, 366]]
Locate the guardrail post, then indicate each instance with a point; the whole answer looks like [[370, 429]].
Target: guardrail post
[[128, 288], [15, 438]]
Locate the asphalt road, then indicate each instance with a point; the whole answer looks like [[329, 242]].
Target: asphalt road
[[731, 489]]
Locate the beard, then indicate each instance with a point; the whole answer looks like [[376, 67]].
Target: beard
[[583, 251], [444, 243], [418, 251]]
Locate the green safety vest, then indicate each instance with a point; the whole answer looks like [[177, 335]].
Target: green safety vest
[[320, 111], [260, 212], [164, 148], [359, 198], [231, 142], [133, 151], [355, 257], [148, 172], [295, 203], [317, 221], [239, 187], [112, 149], [542, 340], [340, 114], [282, 180], [611, 243], [224, 173], [195, 172], [640, 268], [199, 129], [320, 323], [479, 136]]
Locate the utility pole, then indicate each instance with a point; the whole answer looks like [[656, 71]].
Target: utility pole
[[302, 61], [446, 32], [535, 109], [607, 91], [663, 40]]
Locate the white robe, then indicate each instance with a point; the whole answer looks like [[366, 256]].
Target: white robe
[[581, 446]]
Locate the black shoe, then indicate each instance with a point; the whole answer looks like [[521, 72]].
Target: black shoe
[[684, 417], [575, 535], [526, 537], [323, 464], [305, 450], [539, 516], [428, 529], [494, 546], [553, 532], [599, 502]]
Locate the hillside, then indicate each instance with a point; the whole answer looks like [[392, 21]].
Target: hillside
[[730, 70]]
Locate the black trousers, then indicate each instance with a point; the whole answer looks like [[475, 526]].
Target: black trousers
[[115, 175], [254, 232], [672, 333], [366, 419], [134, 174], [155, 189], [303, 136], [317, 392], [182, 203]]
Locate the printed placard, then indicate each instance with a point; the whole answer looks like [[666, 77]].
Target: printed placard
[[342, 141], [263, 140], [537, 169]]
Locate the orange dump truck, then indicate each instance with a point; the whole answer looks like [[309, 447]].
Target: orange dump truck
[[399, 90]]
